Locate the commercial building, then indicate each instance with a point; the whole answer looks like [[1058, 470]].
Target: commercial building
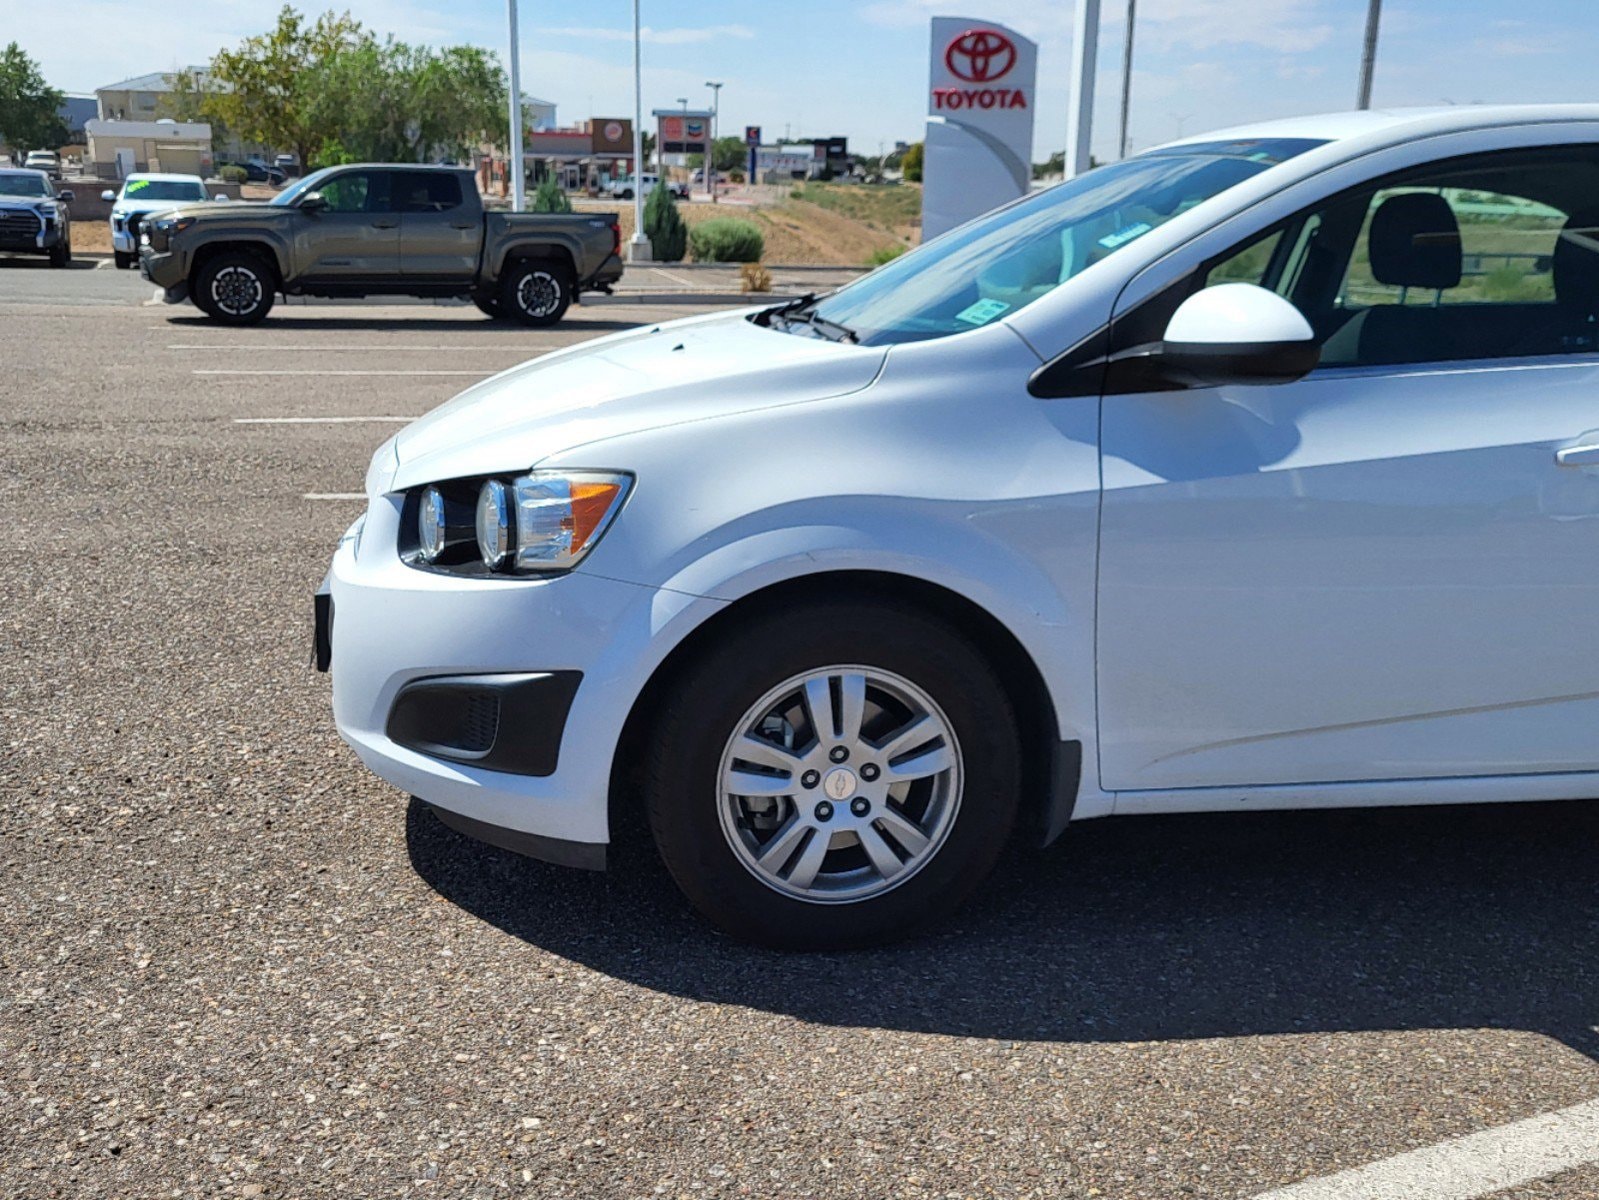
[[117, 149]]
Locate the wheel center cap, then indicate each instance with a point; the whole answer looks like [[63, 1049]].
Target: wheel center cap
[[839, 783]]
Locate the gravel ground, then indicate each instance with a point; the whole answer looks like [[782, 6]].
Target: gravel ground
[[236, 964]]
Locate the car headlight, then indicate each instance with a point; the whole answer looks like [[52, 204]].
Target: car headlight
[[540, 522]]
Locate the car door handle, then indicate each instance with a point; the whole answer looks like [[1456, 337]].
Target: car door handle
[[385, 224], [1579, 456]]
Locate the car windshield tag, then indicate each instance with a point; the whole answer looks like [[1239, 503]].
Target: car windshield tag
[[982, 312], [1122, 236]]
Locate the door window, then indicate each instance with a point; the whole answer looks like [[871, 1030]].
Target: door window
[[1483, 257], [357, 192], [427, 191]]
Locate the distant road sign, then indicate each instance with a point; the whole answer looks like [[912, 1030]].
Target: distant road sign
[[752, 135]]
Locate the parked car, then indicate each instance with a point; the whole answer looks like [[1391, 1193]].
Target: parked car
[[380, 230], [34, 217], [626, 187], [287, 163], [256, 171], [47, 161], [142, 195], [1256, 471]]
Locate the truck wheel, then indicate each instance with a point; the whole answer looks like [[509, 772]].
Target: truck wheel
[[235, 287], [123, 258], [61, 254], [489, 306], [536, 292], [834, 775]]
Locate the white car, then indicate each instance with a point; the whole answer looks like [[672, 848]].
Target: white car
[[1256, 471], [140, 196], [47, 161], [625, 187]]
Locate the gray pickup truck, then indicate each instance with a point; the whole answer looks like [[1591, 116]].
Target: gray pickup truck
[[379, 230]]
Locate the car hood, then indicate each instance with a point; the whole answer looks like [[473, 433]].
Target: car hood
[[25, 201], [212, 209], [648, 378], [148, 206]]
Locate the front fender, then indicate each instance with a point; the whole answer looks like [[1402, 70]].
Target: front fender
[[276, 243]]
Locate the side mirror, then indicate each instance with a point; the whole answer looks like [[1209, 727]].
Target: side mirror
[[222, 196], [108, 196], [313, 202], [1237, 333], [66, 194]]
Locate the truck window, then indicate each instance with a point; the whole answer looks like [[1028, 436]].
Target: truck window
[[357, 191], [427, 192]]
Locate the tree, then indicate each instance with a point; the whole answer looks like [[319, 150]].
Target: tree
[[664, 226], [266, 84], [29, 119], [728, 153], [550, 197], [911, 164], [190, 100]]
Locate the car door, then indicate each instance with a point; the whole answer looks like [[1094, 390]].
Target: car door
[[1388, 569], [356, 236], [440, 233]]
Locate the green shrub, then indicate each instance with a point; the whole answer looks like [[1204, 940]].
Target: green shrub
[[796, 193], [233, 174], [726, 239], [884, 254], [664, 226], [550, 197]]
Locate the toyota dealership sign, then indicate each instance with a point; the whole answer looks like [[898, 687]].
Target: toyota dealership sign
[[979, 121]]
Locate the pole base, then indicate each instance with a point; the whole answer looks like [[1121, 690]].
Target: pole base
[[639, 249]]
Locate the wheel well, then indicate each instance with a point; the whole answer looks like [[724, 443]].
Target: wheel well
[[554, 254], [1035, 711], [207, 252]]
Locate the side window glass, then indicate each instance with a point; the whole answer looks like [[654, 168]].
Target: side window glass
[[1248, 265], [347, 193], [426, 192]]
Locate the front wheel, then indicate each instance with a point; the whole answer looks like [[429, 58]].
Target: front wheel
[[61, 254], [536, 292], [837, 775], [235, 287], [489, 306], [124, 260]]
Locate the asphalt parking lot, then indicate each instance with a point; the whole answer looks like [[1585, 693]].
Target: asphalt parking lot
[[236, 964]]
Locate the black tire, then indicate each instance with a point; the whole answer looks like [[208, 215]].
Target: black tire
[[61, 254], [489, 306], [124, 260], [536, 292], [627, 193], [235, 287], [704, 706]]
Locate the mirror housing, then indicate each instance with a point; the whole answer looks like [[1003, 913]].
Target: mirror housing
[[66, 194], [109, 196], [1237, 333], [312, 202], [222, 196]]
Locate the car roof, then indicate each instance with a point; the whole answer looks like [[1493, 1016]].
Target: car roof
[[1398, 124], [24, 171], [163, 177]]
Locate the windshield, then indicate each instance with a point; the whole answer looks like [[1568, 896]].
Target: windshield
[[1002, 262], [291, 194], [23, 185], [163, 189]]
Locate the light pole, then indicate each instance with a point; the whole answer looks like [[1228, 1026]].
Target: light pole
[[710, 147], [1127, 72], [638, 247], [1368, 54], [1085, 47], [517, 166]]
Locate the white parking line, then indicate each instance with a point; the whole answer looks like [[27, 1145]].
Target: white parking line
[[1462, 1168], [319, 420], [472, 374], [334, 496]]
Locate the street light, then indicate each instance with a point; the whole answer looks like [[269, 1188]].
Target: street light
[[710, 148], [1368, 54], [638, 247], [518, 168], [1080, 118]]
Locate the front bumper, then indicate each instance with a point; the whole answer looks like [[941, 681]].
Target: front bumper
[[35, 237], [166, 269], [394, 629]]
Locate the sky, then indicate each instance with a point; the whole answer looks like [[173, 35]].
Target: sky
[[818, 68]]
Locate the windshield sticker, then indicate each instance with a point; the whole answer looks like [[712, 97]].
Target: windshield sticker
[[1122, 236], [136, 185], [982, 312]]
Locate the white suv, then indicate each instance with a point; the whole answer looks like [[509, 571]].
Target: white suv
[[140, 196], [1256, 471]]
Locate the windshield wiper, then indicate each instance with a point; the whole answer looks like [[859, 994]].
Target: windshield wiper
[[799, 310], [767, 315], [831, 330]]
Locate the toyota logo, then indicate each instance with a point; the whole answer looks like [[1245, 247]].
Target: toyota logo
[[980, 56]]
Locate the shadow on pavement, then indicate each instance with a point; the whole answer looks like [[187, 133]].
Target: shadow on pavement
[[468, 319], [39, 262], [1139, 929]]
